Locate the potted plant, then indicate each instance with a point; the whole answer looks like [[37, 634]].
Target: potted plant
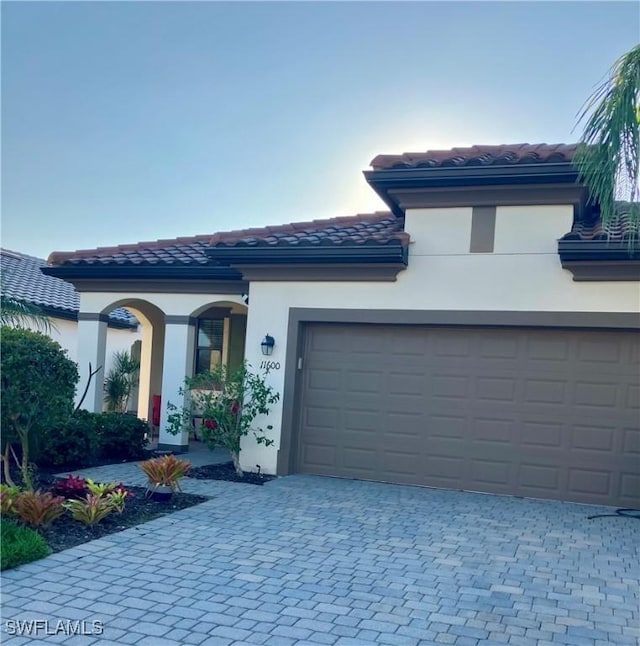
[[164, 475]]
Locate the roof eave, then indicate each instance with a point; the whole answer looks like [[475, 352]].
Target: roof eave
[[385, 180], [158, 272], [391, 252]]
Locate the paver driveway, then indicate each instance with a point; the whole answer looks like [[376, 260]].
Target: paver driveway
[[323, 561]]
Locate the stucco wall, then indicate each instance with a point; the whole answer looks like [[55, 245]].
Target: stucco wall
[[522, 273], [65, 332]]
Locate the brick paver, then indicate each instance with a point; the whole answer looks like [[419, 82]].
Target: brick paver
[[309, 560]]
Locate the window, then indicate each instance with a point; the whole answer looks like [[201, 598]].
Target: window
[[210, 339]]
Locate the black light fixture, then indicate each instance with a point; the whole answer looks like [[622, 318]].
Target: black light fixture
[[267, 345]]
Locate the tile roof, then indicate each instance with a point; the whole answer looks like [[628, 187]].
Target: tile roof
[[622, 228], [23, 280], [373, 228], [480, 155], [379, 227]]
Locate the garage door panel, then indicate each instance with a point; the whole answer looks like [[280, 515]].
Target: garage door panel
[[631, 399], [631, 441], [600, 439], [544, 391], [539, 480], [532, 412], [629, 487], [590, 484], [490, 473], [541, 434], [493, 430]]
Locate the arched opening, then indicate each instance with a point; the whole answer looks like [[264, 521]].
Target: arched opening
[[149, 351], [220, 335]]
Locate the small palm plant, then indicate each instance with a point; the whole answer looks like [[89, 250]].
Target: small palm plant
[[121, 379]]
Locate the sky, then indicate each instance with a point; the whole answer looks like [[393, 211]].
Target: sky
[[132, 121]]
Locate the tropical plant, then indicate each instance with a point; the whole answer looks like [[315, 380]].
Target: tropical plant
[[609, 157], [37, 387], [118, 497], [37, 509], [100, 488], [165, 471], [8, 495], [17, 313], [91, 509], [229, 410], [19, 545], [70, 487], [120, 381]]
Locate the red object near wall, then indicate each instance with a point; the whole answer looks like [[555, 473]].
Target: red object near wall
[[155, 409]]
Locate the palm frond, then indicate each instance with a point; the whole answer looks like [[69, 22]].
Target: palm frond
[[608, 158], [16, 313]]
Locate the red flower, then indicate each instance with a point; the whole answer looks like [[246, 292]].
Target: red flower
[[235, 408], [211, 424]]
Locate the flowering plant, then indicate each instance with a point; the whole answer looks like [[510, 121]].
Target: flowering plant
[[228, 412]]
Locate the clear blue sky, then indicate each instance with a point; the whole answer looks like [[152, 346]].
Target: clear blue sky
[[137, 121]]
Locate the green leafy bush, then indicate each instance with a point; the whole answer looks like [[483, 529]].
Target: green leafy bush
[[72, 444], [38, 382], [87, 438], [121, 437], [19, 545]]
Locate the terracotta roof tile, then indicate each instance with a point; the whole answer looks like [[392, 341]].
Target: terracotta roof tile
[[373, 228], [622, 228], [479, 155], [23, 280]]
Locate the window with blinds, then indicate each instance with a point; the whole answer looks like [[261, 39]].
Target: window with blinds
[[209, 350]]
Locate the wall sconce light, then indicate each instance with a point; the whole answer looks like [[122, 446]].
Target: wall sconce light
[[267, 345]]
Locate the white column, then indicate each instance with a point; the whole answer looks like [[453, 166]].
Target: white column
[[179, 348], [92, 343]]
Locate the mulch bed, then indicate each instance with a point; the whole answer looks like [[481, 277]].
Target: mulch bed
[[226, 472], [65, 532]]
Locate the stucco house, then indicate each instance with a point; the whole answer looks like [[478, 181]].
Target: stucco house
[[482, 334], [59, 301]]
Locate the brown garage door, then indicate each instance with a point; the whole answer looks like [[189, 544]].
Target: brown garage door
[[533, 412]]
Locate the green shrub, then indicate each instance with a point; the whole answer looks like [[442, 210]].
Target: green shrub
[[38, 383], [87, 438], [19, 545], [121, 436], [72, 444]]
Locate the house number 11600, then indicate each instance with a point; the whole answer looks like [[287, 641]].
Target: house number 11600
[[270, 365]]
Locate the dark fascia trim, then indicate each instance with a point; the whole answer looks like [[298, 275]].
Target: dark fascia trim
[[154, 272], [161, 286], [602, 271], [93, 316], [72, 315], [600, 260], [479, 196], [336, 272], [391, 252], [299, 317], [385, 182]]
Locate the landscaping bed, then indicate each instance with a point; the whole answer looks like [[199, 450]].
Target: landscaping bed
[[227, 472], [65, 532]]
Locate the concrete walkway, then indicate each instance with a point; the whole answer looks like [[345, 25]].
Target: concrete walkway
[[310, 560]]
